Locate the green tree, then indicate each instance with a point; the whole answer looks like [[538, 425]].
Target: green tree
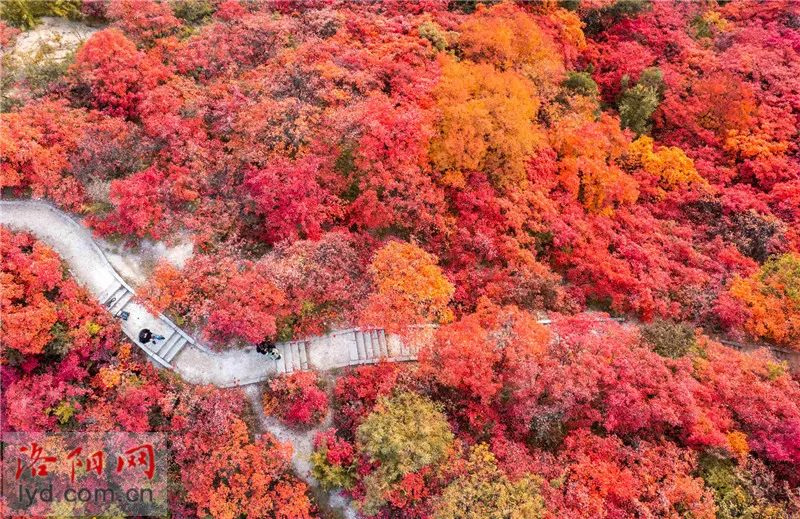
[[637, 104], [485, 492], [403, 434], [600, 19], [434, 33], [580, 83], [193, 11], [25, 14]]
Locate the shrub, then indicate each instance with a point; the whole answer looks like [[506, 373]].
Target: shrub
[[298, 399], [744, 491], [333, 461], [753, 235], [144, 21], [359, 390], [668, 339]]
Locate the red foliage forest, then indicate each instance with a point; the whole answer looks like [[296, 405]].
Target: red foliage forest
[[475, 165], [64, 369], [552, 156]]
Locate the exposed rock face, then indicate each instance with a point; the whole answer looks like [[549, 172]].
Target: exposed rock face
[[54, 37]]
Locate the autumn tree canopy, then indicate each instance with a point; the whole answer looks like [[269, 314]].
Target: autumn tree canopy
[[473, 166]]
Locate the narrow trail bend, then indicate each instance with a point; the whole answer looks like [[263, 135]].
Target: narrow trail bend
[[179, 351]]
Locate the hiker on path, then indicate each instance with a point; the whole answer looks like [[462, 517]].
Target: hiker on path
[[268, 347], [145, 336]]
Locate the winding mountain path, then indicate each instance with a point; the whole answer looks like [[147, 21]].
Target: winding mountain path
[[195, 362], [198, 364]]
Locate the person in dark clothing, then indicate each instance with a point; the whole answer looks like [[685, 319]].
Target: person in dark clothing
[[268, 347], [145, 335]]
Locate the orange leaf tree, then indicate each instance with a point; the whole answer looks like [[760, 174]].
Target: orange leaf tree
[[486, 123], [772, 297], [589, 167], [508, 37], [410, 288]]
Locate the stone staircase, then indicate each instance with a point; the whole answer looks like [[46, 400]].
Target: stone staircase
[[118, 296], [169, 348], [370, 345], [294, 356]]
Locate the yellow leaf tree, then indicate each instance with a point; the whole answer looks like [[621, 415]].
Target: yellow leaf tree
[[484, 491], [403, 434], [669, 165]]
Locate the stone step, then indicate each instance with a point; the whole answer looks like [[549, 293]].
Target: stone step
[[165, 345], [287, 363], [367, 345], [362, 352], [108, 293], [294, 356], [370, 343], [304, 355], [376, 342], [120, 303], [384, 346], [352, 346], [299, 348], [114, 296], [280, 367], [175, 349], [364, 346]]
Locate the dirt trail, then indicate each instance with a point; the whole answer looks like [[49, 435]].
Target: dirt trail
[[332, 504]]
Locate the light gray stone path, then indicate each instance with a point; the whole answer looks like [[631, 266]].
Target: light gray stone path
[[195, 362]]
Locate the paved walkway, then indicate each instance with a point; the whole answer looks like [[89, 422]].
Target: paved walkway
[[195, 362]]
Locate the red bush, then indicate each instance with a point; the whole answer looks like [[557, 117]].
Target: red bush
[[358, 391], [338, 452], [298, 399]]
